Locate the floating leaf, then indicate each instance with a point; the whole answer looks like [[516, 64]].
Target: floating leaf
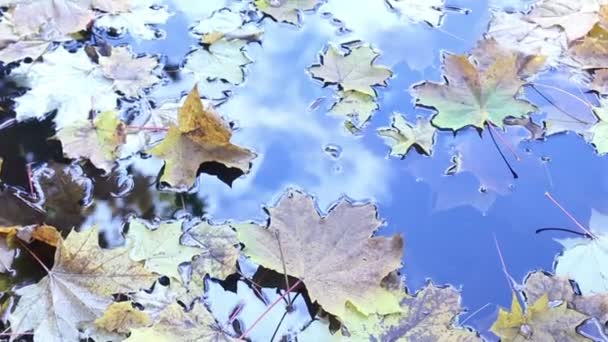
[[592, 51], [159, 248], [223, 60], [478, 89], [200, 137], [121, 318], [402, 135], [417, 11], [315, 248], [354, 70], [97, 140], [67, 82], [139, 20], [218, 250], [576, 18], [21, 49], [77, 290], [131, 74], [584, 259], [357, 106], [540, 322], [173, 324], [599, 131], [226, 24], [285, 10], [428, 316]]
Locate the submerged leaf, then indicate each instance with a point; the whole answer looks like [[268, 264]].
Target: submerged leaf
[[354, 70], [285, 10], [576, 18], [402, 135], [417, 11], [138, 20], [200, 137], [479, 89], [77, 290], [357, 106], [226, 24], [224, 59], [315, 249], [131, 74]]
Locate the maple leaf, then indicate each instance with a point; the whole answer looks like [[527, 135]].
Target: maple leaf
[[575, 17], [354, 70], [131, 74], [417, 11], [138, 20], [285, 10], [223, 59], [112, 6], [219, 253], [315, 248], [159, 248], [356, 106], [43, 233], [402, 135], [226, 24], [599, 131], [97, 140], [21, 49], [556, 288], [599, 81], [174, 324], [427, 316], [67, 82], [201, 136], [540, 322], [584, 259], [78, 288], [478, 89], [51, 20], [122, 317], [592, 51]]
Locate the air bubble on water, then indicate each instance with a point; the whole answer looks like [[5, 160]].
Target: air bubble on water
[[333, 150], [419, 179], [483, 189]]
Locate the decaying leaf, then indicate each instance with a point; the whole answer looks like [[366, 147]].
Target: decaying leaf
[[138, 20], [315, 248], [77, 290], [427, 316], [417, 11], [67, 82], [7, 254], [592, 51], [16, 210], [540, 322], [402, 135], [584, 259], [21, 49], [160, 248], [97, 140], [217, 249], [42, 233], [354, 70], [600, 81], [576, 18], [556, 288], [356, 106], [131, 74], [479, 89], [121, 318], [174, 324], [285, 10], [224, 59], [226, 24], [200, 137]]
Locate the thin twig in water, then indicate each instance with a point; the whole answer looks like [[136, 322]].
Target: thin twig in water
[[570, 216], [475, 313], [276, 330], [581, 100], [565, 112], [513, 173], [510, 279], [504, 141]]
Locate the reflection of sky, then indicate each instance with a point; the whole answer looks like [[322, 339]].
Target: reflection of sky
[[453, 245]]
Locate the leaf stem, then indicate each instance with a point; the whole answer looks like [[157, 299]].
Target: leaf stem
[[570, 216], [513, 173]]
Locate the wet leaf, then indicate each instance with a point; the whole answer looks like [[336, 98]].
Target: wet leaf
[[427, 316], [67, 82], [174, 324], [226, 24], [7, 255], [584, 259], [539, 322], [354, 70], [97, 140], [600, 81], [131, 74], [77, 289], [200, 137], [139, 20], [160, 248], [576, 18], [16, 210], [592, 51], [43, 233], [315, 249], [285, 10], [599, 131], [224, 59], [217, 248], [356, 106], [556, 288], [121, 318], [18, 50], [479, 89], [417, 11], [402, 135]]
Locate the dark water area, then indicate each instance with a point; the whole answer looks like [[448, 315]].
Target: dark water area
[[449, 222]]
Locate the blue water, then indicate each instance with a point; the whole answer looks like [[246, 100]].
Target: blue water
[[448, 223]]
